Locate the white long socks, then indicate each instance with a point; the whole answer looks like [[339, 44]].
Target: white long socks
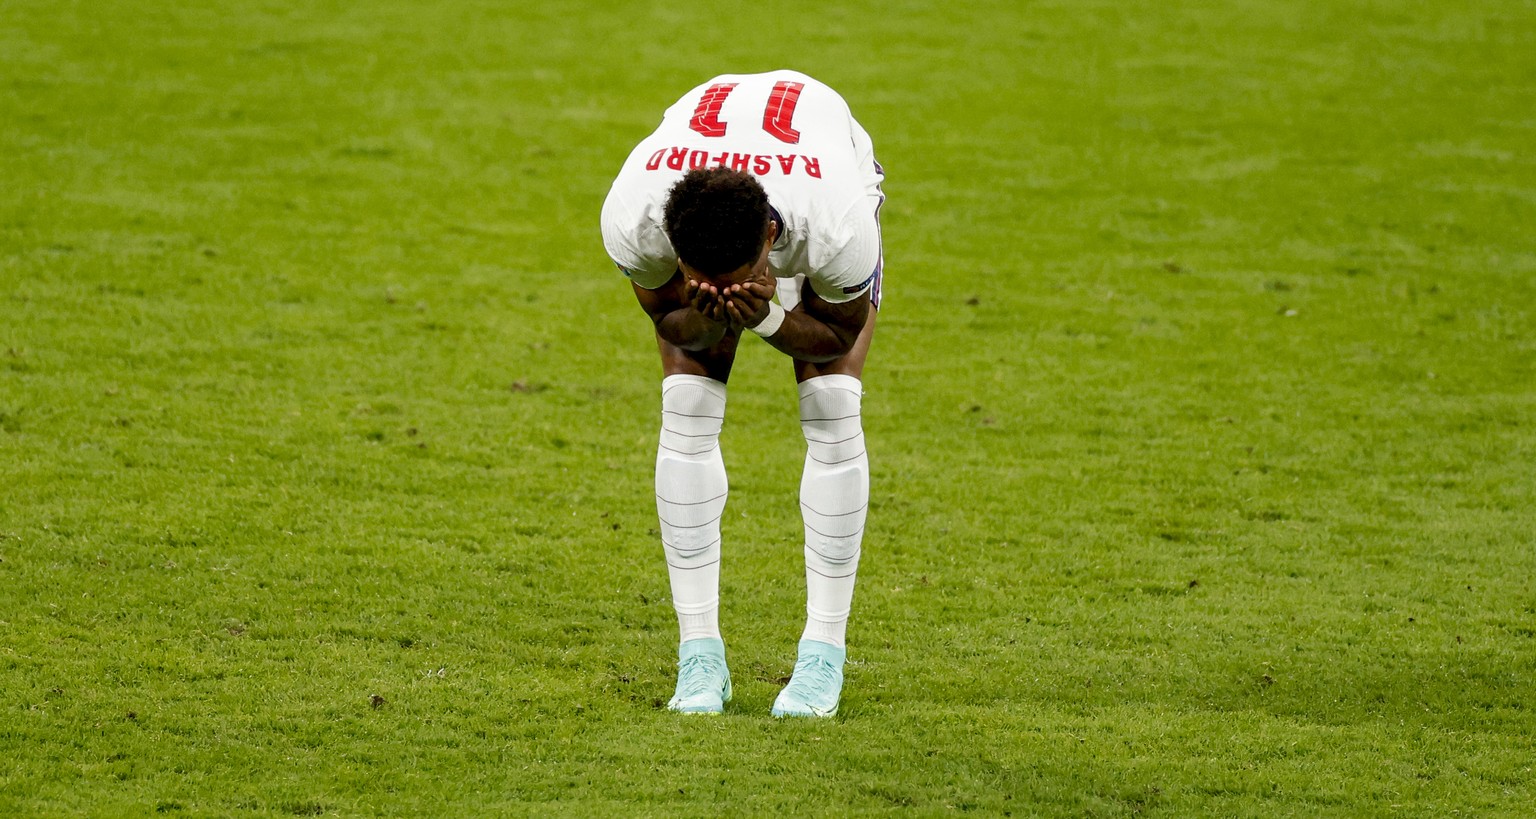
[[690, 498], [834, 499], [691, 491]]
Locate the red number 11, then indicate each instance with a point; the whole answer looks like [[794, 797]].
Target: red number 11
[[778, 116]]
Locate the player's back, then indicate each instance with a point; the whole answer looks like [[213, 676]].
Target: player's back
[[791, 131], [762, 112], [796, 136]]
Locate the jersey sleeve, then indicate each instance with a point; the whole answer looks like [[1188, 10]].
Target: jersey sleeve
[[636, 242], [850, 270]]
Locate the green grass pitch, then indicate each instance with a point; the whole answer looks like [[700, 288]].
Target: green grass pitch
[[1202, 414]]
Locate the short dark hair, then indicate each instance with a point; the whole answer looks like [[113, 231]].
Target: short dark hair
[[717, 219]]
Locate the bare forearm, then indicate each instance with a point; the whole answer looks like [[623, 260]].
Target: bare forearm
[[807, 338], [689, 329], [678, 320]]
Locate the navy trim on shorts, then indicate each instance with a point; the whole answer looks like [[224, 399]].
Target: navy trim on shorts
[[874, 290]]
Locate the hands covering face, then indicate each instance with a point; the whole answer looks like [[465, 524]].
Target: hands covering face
[[738, 305], [705, 298]]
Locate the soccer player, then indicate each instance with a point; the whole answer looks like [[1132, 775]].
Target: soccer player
[[754, 208]]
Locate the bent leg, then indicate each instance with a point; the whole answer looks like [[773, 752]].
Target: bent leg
[[712, 363], [691, 491], [834, 500], [852, 362], [691, 483], [834, 488]]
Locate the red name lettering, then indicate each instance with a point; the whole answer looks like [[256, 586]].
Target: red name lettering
[[677, 158]]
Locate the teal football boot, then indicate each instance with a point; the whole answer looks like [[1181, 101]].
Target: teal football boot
[[703, 681], [817, 683]]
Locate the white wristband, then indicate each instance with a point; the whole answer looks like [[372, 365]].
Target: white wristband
[[771, 324]]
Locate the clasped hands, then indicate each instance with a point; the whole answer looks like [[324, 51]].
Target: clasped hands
[[736, 306]]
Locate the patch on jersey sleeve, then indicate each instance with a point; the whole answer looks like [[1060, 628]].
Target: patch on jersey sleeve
[[863, 285]]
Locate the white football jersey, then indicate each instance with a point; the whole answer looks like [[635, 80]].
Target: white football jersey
[[799, 139]]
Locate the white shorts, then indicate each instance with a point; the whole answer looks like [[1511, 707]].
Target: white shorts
[[788, 290]]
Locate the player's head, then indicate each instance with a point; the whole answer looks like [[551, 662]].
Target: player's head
[[718, 221]]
